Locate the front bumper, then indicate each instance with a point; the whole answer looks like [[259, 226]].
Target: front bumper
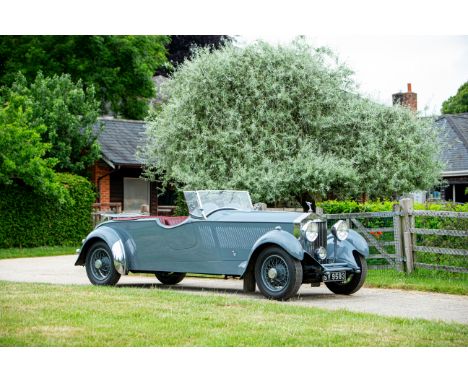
[[337, 267]]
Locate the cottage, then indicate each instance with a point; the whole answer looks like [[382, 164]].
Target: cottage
[[454, 137], [454, 133], [117, 174]]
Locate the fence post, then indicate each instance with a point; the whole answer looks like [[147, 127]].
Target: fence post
[[397, 237], [406, 205]]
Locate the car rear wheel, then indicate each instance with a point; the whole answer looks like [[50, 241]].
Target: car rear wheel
[[354, 281], [100, 265], [278, 275], [170, 278]]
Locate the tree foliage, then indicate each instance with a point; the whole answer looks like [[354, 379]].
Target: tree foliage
[[457, 103], [119, 67], [64, 114], [285, 123], [22, 152]]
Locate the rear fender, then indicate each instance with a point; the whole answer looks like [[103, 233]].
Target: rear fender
[[278, 237], [115, 240]]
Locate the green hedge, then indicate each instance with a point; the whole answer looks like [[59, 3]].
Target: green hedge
[[31, 220], [348, 206]]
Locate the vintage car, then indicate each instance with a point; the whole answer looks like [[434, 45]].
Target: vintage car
[[225, 235]]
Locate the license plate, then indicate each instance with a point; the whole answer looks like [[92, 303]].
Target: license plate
[[334, 276]]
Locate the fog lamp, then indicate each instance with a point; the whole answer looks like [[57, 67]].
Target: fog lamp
[[321, 253]]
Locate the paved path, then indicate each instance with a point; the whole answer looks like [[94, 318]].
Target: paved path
[[388, 302]]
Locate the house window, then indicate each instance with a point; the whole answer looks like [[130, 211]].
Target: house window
[[136, 193]]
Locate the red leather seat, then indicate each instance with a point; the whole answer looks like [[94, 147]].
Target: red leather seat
[[166, 220], [140, 217], [172, 220]]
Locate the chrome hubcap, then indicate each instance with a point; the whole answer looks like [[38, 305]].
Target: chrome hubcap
[[272, 273], [101, 264]]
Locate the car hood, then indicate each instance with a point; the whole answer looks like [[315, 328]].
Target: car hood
[[258, 216]]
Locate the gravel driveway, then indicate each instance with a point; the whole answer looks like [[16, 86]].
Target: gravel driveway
[[387, 302]]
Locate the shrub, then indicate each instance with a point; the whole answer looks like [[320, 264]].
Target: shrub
[[29, 219], [350, 206]]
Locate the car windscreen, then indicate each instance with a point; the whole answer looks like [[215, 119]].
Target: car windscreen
[[210, 201]]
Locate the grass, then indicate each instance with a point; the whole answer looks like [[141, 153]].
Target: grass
[[52, 315], [12, 253], [420, 279]]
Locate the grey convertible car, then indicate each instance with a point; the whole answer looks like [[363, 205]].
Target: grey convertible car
[[225, 235]]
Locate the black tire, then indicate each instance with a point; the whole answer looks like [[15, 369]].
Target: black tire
[[354, 282], [100, 265], [170, 278], [286, 279]]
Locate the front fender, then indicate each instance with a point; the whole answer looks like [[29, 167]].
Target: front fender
[[114, 240], [343, 250], [277, 237], [282, 239]]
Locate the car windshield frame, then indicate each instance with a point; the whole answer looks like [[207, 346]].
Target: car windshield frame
[[203, 202]]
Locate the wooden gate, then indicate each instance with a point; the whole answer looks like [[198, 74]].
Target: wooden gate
[[392, 237]]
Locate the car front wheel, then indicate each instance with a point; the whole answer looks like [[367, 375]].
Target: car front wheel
[[354, 281], [170, 278], [100, 265], [278, 275]]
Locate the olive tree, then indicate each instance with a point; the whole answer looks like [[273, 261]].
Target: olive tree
[[284, 122]]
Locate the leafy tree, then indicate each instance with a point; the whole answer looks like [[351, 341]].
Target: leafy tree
[[457, 103], [119, 67], [181, 48], [285, 123], [22, 152], [63, 113]]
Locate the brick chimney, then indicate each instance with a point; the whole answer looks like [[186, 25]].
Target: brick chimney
[[408, 99]]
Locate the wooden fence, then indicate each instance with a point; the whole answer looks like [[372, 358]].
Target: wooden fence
[[392, 236]]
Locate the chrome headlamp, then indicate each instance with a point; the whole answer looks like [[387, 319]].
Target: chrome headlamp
[[310, 231], [340, 230]]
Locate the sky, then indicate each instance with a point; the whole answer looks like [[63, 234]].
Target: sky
[[436, 66]]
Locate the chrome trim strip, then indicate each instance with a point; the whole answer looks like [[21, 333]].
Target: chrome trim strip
[[118, 253], [302, 217]]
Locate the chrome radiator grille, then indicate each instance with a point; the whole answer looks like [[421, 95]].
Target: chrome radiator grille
[[322, 235], [321, 240]]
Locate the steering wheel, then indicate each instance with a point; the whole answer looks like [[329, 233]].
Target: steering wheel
[[222, 208]]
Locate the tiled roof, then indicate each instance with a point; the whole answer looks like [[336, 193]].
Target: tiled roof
[[119, 140], [455, 138]]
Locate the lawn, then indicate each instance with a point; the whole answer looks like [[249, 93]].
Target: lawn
[[11, 253], [420, 279], [52, 315]]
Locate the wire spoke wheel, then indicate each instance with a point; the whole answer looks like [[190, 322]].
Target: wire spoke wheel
[[278, 274], [100, 266], [275, 274]]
